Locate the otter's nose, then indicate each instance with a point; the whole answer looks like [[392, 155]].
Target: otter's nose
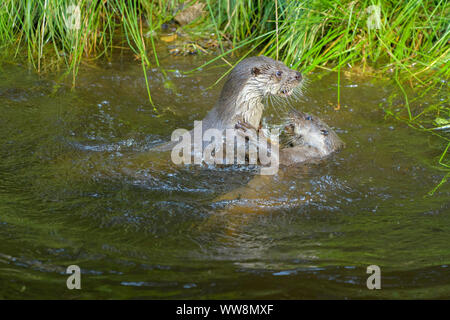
[[298, 76]]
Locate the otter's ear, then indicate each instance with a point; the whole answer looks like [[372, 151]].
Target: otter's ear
[[255, 71]]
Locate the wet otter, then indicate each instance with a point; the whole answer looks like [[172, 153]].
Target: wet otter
[[251, 80], [248, 83], [241, 98], [306, 139]]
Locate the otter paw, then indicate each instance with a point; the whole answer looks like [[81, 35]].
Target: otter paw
[[244, 126]]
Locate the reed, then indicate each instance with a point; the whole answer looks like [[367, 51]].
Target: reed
[[51, 34], [409, 36]]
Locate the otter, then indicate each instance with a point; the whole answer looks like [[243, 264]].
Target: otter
[[241, 97], [248, 83], [305, 139], [241, 100]]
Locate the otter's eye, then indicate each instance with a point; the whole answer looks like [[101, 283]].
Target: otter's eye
[[324, 132], [278, 73]]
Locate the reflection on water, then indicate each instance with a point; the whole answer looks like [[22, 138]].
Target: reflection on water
[[78, 186]]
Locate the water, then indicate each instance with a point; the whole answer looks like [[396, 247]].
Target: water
[[176, 232]]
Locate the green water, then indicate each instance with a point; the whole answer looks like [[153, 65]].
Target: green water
[[162, 233]]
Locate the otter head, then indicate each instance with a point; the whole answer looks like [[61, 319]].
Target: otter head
[[273, 77], [261, 76], [308, 130], [248, 83]]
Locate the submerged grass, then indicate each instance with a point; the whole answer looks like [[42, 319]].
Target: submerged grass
[[407, 41]]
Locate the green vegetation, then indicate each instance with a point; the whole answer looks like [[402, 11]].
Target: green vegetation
[[407, 41]]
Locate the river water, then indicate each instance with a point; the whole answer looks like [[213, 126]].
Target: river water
[[168, 231]]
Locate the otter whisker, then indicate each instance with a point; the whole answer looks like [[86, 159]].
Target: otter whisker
[[275, 106], [280, 103]]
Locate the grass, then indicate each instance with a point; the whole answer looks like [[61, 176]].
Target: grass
[[55, 32], [407, 41], [407, 36]]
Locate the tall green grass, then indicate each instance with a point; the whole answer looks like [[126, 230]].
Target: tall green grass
[[55, 33], [412, 38]]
